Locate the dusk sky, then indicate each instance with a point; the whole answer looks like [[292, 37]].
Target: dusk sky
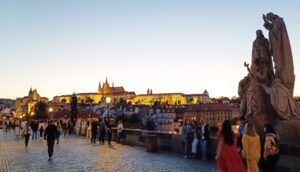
[[66, 46]]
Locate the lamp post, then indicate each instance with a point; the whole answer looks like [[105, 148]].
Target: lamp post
[[50, 111], [108, 99]]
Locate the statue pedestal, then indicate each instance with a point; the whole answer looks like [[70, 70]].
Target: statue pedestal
[[288, 130]]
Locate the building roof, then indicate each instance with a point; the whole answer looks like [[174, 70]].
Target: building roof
[[210, 107], [160, 94], [112, 90]]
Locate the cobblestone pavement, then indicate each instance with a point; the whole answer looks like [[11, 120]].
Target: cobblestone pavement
[[77, 154]]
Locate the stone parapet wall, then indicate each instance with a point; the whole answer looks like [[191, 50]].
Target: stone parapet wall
[[166, 141]]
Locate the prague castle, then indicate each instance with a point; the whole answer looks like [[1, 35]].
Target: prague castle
[[117, 93], [104, 90]]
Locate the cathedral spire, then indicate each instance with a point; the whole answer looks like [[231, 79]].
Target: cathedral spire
[[106, 82], [112, 85]]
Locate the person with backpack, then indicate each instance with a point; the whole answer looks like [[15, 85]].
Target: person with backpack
[[26, 133], [271, 149], [41, 128]]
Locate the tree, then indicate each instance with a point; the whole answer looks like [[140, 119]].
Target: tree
[[297, 98], [41, 110], [89, 100], [74, 109]]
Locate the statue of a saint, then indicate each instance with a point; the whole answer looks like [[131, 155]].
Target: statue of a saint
[[260, 52], [280, 49], [281, 100], [242, 91]]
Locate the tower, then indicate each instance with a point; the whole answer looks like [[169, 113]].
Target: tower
[[99, 88], [106, 87]]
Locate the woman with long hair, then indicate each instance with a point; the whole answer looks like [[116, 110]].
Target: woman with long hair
[[271, 148], [228, 159], [251, 148]]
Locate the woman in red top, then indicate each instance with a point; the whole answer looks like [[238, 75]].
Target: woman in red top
[[228, 159]]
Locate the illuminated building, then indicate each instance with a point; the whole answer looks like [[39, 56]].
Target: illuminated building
[[26, 104]]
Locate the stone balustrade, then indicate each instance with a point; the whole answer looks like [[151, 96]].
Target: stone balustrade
[[166, 141]]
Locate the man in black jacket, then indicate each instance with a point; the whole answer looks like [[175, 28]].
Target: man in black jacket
[[50, 134], [34, 128], [94, 129]]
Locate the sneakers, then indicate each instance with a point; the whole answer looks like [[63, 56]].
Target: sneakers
[[49, 159], [185, 156]]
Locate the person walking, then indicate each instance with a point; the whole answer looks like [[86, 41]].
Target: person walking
[[34, 127], [251, 148], [271, 149], [228, 159], [120, 131], [89, 130], [41, 128], [94, 131], [59, 131], [108, 132], [50, 135], [65, 129], [26, 133], [102, 132], [17, 128]]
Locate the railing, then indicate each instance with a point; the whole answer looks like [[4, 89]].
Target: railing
[[165, 140]]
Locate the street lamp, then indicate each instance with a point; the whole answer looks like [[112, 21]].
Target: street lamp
[[50, 109], [32, 113], [108, 99]]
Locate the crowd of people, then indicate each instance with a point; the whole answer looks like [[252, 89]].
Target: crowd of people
[[50, 130], [196, 137], [236, 152]]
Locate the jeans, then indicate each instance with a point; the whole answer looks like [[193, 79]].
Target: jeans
[[109, 137], [41, 133], [187, 146], [119, 135], [34, 134], [50, 143], [93, 138], [204, 148], [195, 145], [102, 136]]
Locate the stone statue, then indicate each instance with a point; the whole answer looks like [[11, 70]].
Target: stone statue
[[255, 99], [242, 91], [260, 52], [266, 93], [281, 100], [280, 49]]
